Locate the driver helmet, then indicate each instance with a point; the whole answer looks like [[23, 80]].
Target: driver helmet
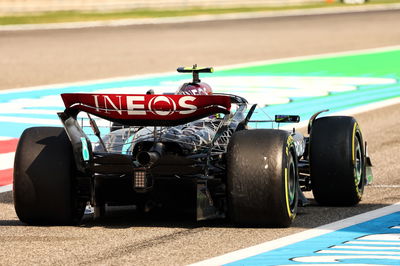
[[195, 89]]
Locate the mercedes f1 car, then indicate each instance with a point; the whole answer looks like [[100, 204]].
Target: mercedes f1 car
[[190, 152]]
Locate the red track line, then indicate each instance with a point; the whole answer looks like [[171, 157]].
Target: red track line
[[8, 145], [6, 177]]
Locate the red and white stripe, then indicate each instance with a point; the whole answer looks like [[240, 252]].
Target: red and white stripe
[[7, 153]]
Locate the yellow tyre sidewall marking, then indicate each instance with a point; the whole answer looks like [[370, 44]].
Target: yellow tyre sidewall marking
[[353, 143], [354, 155], [290, 213], [287, 192]]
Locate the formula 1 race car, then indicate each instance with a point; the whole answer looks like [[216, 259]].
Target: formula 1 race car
[[190, 152]]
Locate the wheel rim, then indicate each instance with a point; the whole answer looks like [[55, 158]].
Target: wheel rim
[[358, 164]]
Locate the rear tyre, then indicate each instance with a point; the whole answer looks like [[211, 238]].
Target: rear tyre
[[262, 178], [337, 161], [44, 174]]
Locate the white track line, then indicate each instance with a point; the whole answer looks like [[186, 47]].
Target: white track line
[[288, 240], [7, 160], [2, 138], [202, 18], [350, 112], [369, 107], [226, 67], [6, 188], [311, 57], [24, 120], [388, 244]]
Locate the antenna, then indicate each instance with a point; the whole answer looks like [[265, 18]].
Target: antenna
[[195, 70], [196, 78]]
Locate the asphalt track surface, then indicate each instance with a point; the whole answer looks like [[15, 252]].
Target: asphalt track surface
[[52, 56], [46, 57]]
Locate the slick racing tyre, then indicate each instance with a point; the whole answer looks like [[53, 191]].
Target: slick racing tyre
[[262, 178], [337, 161], [44, 171]]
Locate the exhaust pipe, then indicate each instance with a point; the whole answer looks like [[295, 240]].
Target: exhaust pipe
[[147, 158]]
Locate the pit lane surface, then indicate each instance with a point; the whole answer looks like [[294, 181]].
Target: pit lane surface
[[124, 238]]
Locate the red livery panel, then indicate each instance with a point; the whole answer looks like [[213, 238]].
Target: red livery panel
[[138, 109]]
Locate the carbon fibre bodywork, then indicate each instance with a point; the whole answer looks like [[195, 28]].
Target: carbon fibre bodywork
[[170, 151], [190, 153]]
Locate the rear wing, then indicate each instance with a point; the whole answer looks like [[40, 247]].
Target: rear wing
[[147, 109]]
